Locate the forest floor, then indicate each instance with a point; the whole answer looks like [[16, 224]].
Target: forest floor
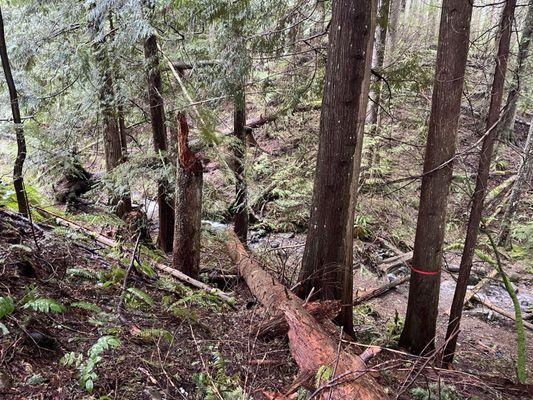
[[180, 343]]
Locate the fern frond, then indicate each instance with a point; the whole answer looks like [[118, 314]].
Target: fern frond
[[85, 305], [45, 305], [6, 306], [145, 297]]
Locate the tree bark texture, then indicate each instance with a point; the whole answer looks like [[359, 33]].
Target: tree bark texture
[[525, 173], [418, 335], [381, 41], [506, 125], [18, 180], [188, 206], [392, 28], [310, 346], [240, 206], [157, 114], [345, 317], [504, 37], [329, 242]]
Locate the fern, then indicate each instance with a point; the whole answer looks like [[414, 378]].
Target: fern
[[81, 273], [44, 305], [87, 375], [6, 306], [85, 305], [141, 295], [154, 334]]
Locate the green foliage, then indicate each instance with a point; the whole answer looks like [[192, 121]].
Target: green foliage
[[86, 365], [323, 374], [8, 197], [444, 392], [519, 322], [523, 234], [115, 276], [137, 294], [154, 334], [44, 305], [82, 273], [213, 386], [6, 306], [362, 227], [85, 305]]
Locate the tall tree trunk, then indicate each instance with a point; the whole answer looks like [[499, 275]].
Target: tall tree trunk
[[506, 125], [113, 139], [123, 205], [157, 114], [240, 206], [189, 181], [481, 180], [420, 323], [18, 180], [324, 264], [524, 176], [345, 317], [381, 40], [392, 28]]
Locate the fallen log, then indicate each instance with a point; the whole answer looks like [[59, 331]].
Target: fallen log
[[389, 263], [500, 310], [471, 293], [309, 344], [193, 282], [277, 325], [162, 267], [381, 290]]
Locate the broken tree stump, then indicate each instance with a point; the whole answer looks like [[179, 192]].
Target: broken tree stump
[[309, 344]]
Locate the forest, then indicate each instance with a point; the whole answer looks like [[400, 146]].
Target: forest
[[266, 199]]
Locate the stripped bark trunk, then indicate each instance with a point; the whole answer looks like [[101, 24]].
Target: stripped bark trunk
[[327, 261], [506, 125], [157, 114], [525, 173], [418, 335], [18, 180], [310, 346], [481, 180], [188, 206]]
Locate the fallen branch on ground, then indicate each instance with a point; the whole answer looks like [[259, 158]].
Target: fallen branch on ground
[[112, 243], [380, 290], [310, 346]]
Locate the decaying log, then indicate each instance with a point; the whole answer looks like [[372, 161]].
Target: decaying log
[[389, 263], [162, 267], [277, 326], [310, 346], [380, 290]]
